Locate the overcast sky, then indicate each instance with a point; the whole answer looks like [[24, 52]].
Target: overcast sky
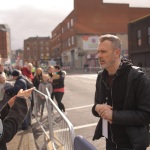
[[30, 18]]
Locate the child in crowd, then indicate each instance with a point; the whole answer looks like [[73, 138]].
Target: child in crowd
[[42, 87]]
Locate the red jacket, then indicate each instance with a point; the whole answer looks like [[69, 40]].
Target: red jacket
[[27, 73]]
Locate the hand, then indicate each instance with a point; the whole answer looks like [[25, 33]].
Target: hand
[[104, 111], [11, 101], [25, 93], [56, 76]]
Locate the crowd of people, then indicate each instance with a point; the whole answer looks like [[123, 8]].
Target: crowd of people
[[24, 79]]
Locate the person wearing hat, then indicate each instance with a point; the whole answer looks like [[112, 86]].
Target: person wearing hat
[[20, 83]]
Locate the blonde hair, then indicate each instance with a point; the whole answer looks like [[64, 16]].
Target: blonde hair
[[38, 70], [51, 67], [45, 76]]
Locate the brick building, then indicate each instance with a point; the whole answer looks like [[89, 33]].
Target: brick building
[[37, 50], [139, 41], [4, 42], [74, 40]]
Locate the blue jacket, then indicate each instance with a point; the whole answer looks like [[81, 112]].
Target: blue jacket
[[19, 84]]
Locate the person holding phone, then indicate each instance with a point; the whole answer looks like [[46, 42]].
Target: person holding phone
[[12, 115]]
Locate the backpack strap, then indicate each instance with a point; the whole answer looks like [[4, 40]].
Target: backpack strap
[[133, 73]]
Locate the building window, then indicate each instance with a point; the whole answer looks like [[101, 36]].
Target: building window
[[72, 40], [139, 39], [68, 25], [71, 22], [42, 55], [69, 42], [28, 48], [47, 48], [41, 42], [62, 30], [149, 35]]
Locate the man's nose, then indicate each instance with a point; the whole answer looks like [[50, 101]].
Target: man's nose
[[99, 55]]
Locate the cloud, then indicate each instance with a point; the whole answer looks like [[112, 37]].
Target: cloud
[[27, 21]]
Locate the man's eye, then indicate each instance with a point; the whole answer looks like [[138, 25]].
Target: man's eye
[[102, 51]]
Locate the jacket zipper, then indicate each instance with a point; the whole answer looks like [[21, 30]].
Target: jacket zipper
[[112, 106], [110, 125]]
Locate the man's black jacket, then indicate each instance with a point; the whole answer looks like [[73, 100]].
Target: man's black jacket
[[135, 115]]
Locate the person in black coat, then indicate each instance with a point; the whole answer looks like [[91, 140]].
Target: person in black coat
[[38, 77], [12, 115], [122, 99], [58, 86]]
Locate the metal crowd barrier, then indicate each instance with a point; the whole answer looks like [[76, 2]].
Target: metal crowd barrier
[[57, 128]]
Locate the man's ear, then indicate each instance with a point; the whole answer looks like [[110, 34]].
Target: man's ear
[[118, 52]]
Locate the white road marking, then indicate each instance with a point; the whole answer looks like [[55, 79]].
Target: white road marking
[[85, 126], [80, 107], [89, 76]]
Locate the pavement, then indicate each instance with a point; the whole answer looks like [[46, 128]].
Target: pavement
[[33, 139], [23, 140]]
